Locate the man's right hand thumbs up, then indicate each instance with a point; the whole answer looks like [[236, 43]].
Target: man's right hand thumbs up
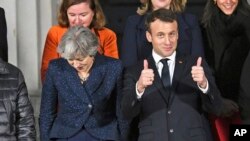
[[146, 78]]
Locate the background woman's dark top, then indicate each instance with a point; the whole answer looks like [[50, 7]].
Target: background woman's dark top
[[228, 44]]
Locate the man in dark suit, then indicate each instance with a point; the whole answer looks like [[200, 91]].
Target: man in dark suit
[[170, 108], [3, 36]]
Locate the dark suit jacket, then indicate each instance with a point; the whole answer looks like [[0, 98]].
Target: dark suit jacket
[[135, 46], [3, 36], [175, 116], [94, 106]]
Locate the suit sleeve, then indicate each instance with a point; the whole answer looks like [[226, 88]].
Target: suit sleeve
[[25, 113], [212, 101], [123, 124], [48, 105], [49, 51], [130, 104]]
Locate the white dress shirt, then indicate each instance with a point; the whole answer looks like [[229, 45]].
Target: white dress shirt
[[159, 64]]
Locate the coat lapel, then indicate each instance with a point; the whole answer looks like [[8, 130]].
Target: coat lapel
[[178, 71], [97, 75], [73, 81]]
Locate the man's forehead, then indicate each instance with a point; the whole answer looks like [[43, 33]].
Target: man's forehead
[[160, 22], [163, 26]]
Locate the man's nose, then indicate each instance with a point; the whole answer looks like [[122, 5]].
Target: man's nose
[[167, 40], [228, 1]]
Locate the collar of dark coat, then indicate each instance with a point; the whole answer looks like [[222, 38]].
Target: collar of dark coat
[[3, 67]]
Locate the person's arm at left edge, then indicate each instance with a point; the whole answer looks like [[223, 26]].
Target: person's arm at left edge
[[123, 124], [25, 124]]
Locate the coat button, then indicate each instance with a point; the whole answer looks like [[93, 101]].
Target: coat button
[[90, 106], [133, 103], [212, 97], [171, 130], [169, 112]]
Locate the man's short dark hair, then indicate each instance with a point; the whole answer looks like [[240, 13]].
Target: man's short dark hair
[[162, 14]]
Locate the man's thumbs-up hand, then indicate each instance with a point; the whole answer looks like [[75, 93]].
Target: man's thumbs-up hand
[[146, 78], [198, 74]]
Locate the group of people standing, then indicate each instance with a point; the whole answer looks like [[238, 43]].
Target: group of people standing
[[175, 79]]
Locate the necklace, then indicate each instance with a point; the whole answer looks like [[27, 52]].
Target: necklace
[[84, 75], [84, 78]]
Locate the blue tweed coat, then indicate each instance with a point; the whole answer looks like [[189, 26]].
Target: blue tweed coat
[[68, 106]]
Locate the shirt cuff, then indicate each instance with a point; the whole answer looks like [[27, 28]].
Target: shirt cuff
[[204, 90], [138, 94]]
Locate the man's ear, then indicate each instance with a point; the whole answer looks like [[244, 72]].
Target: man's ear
[[149, 36]]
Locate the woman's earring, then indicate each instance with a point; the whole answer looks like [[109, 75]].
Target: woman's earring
[[214, 2]]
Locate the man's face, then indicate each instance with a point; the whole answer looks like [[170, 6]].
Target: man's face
[[163, 36]]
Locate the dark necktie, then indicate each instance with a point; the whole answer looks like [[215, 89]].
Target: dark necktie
[[165, 76]]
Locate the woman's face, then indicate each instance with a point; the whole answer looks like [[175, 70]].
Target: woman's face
[[227, 6], [80, 14], [161, 4], [82, 64]]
